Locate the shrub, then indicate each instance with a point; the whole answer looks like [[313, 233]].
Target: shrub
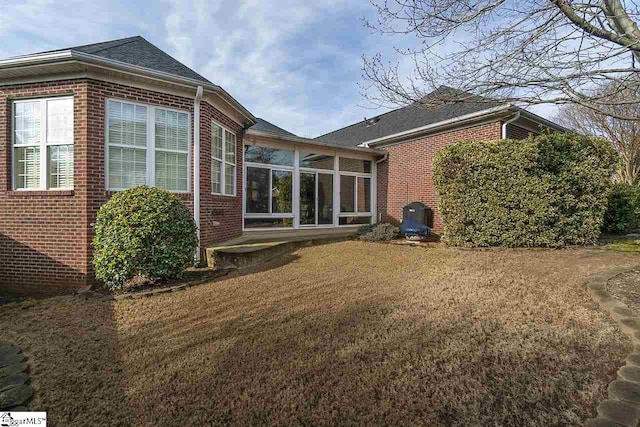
[[378, 232], [623, 209], [549, 190], [143, 231]]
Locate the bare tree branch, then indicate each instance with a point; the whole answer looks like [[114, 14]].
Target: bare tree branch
[[533, 52]]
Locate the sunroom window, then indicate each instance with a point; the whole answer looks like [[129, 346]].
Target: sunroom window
[[43, 144], [131, 157], [268, 187], [355, 191]]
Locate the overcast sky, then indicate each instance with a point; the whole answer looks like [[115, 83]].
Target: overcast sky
[[295, 63]]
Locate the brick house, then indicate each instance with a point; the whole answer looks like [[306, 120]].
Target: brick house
[[78, 124]]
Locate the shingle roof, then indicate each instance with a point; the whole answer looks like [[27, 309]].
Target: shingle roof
[[267, 127], [410, 117], [138, 51]]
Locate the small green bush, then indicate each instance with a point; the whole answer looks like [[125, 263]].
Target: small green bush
[[378, 232], [143, 231], [549, 190], [623, 209]]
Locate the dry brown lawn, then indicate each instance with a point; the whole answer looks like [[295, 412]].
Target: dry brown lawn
[[341, 334]]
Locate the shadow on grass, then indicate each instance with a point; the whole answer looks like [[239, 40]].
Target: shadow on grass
[[361, 364], [74, 358]]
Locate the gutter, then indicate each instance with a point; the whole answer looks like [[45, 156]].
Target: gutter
[[511, 120], [434, 126], [36, 59], [196, 168], [467, 118], [307, 141]]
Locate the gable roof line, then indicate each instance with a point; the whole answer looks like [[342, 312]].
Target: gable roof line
[[490, 112], [435, 93], [440, 124]]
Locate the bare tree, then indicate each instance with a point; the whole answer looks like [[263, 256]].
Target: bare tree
[[624, 135], [528, 52]]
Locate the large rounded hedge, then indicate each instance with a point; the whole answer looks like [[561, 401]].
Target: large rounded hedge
[[549, 190], [623, 209], [143, 231]]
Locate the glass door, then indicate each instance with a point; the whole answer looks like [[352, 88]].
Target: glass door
[[316, 198], [307, 198], [325, 198]]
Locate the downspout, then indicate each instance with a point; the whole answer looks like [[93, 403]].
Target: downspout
[[511, 120], [383, 159], [196, 168]]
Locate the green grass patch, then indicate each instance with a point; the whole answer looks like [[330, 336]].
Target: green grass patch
[[621, 243]]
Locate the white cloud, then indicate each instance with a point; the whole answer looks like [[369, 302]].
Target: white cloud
[[251, 48]]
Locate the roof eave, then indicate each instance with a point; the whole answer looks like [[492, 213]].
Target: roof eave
[[129, 68], [315, 143], [495, 112], [536, 118], [439, 126]]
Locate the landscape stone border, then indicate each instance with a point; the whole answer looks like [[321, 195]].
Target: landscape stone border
[[622, 408], [15, 387], [152, 292]]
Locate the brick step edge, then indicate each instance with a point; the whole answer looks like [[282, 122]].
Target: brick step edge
[[622, 408]]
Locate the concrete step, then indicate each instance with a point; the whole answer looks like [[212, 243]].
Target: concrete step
[[250, 250]]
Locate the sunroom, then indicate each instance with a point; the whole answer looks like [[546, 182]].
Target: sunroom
[[295, 183]]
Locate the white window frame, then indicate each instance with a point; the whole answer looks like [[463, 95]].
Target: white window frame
[[150, 177], [356, 176], [224, 161], [270, 168], [43, 144]]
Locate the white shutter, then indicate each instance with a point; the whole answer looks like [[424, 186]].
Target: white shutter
[[172, 150], [127, 140]]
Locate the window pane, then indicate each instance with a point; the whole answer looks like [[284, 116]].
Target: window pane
[[216, 141], [216, 176], [268, 222], [316, 161], [60, 121], [347, 196], [364, 194], [325, 198], [60, 166], [229, 179], [27, 123], [27, 167], [355, 165], [269, 156], [230, 147], [127, 124], [281, 191], [172, 130], [171, 171], [354, 220], [127, 167], [257, 191]]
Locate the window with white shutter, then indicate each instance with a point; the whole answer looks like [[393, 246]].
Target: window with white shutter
[[127, 145], [133, 160], [172, 150], [223, 160], [43, 144]]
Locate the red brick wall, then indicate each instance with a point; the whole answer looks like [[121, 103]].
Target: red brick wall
[[45, 237], [225, 210], [516, 132], [44, 234], [406, 176]]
